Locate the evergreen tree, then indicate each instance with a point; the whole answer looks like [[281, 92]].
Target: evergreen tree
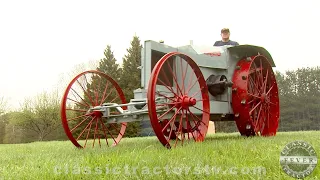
[[131, 79], [131, 75], [108, 64]]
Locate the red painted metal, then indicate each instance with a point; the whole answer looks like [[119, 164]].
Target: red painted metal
[[213, 53], [167, 131], [91, 119], [255, 99], [183, 122]]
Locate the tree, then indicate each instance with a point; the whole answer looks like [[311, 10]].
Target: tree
[[131, 78], [299, 93], [3, 105], [40, 115], [3, 118], [108, 64], [13, 133], [3, 124], [131, 74]]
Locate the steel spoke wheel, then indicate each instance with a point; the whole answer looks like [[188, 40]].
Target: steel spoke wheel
[[178, 100], [255, 99], [83, 123]]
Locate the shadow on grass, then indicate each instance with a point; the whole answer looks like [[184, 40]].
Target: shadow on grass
[[225, 136]]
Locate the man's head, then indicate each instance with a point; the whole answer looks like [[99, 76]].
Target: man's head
[[225, 34]]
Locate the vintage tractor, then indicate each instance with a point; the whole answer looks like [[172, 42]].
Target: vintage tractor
[[182, 89]]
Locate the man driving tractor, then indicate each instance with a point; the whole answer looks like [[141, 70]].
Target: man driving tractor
[[225, 35]]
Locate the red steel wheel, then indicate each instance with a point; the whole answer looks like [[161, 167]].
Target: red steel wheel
[[255, 99], [81, 123], [178, 100]]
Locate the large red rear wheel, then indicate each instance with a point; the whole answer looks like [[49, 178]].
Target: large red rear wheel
[[84, 125], [178, 100], [255, 99]]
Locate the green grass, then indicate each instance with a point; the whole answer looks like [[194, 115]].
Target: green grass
[[230, 152]]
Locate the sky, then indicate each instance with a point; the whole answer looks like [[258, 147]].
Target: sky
[[41, 42]]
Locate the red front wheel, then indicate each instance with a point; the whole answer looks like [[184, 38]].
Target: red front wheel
[[178, 100]]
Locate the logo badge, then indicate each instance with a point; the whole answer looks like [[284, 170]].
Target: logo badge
[[298, 159]]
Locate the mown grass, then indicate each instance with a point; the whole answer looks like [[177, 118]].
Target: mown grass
[[235, 155]]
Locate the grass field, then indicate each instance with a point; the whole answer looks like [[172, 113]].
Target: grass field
[[220, 156]]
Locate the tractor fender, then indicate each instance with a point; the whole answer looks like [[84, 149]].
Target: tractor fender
[[242, 51]]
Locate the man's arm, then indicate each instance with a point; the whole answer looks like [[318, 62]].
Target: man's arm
[[216, 43]]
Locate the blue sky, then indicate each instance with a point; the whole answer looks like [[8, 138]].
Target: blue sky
[[42, 41]]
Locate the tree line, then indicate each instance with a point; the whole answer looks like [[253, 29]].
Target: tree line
[[299, 92], [38, 118]]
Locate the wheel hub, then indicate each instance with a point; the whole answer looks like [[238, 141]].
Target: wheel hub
[[97, 114], [186, 101]]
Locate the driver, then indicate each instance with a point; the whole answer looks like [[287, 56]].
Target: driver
[[225, 35]]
